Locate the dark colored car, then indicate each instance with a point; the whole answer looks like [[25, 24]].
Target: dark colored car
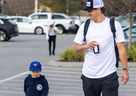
[[3, 16], [8, 29]]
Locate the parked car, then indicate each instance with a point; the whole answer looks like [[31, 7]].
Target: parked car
[[126, 33], [27, 26], [77, 22], [3, 16], [124, 20], [8, 29], [63, 25]]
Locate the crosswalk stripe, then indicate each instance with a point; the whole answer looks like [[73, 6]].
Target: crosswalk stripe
[[63, 82]]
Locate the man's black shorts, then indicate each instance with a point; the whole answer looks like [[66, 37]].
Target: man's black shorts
[[107, 85]]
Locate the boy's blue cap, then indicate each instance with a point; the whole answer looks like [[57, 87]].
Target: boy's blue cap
[[35, 65]]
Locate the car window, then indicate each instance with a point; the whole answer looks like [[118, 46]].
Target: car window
[[134, 31], [43, 16], [14, 19], [124, 20], [23, 20], [58, 17], [126, 31], [12, 22], [34, 17]]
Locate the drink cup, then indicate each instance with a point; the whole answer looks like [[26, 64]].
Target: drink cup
[[96, 48]]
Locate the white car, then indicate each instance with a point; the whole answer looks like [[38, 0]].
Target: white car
[[63, 24], [77, 22], [27, 26]]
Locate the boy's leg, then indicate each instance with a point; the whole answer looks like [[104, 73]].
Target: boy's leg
[[110, 85], [90, 86]]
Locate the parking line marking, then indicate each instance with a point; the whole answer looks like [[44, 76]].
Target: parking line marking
[[13, 77]]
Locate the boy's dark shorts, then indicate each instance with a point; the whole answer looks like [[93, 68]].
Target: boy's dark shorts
[[107, 85]]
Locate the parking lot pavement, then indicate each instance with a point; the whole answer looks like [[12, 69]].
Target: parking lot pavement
[[63, 81]]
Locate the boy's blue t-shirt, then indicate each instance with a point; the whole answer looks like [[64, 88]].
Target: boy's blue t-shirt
[[36, 86]]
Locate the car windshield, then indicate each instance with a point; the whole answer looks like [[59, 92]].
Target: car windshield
[[39, 16], [24, 20], [59, 16], [126, 31], [124, 20], [11, 21]]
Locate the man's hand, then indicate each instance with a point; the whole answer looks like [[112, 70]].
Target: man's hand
[[91, 45], [125, 77]]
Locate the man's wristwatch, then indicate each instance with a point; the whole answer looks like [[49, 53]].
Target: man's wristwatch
[[126, 69]]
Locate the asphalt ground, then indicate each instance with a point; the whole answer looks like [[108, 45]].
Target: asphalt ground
[[17, 54]]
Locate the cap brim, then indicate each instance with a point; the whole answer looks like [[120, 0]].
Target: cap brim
[[34, 69], [88, 9]]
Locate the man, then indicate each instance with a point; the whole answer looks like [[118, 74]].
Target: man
[[51, 36], [99, 70]]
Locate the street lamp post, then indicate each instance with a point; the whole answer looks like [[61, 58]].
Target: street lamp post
[[67, 6], [36, 4]]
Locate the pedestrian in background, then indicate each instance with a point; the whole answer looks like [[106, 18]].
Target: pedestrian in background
[[51, 37], [35, 84], [99, 69]]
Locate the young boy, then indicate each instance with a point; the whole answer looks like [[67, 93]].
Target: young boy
[[35, 84]]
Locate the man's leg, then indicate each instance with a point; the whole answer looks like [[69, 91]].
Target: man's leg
[[54, 45], [90, 86], [110, 85], [49, 41]]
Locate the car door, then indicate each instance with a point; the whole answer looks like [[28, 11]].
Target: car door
[[40, 18], [25, 25]]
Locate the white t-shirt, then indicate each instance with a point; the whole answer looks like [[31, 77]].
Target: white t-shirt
[[52, 33], [102, 64]]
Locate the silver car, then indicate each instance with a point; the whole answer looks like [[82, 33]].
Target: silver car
[[126, 33], [124, 20]]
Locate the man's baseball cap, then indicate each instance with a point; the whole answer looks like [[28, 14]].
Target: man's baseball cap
[[35, 65], [92, 4]]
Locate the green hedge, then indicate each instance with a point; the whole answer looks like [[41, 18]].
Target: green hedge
[[131, 53], [69, 55]]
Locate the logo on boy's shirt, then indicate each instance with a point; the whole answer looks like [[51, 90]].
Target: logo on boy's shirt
[[35, 65], [39, 87]]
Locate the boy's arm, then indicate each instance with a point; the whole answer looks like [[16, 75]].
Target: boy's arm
[[25, 86], [45, 88]]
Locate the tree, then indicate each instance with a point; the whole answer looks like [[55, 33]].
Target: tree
[[18, 7], [122, 7], [65, 6]]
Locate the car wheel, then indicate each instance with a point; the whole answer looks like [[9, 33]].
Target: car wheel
[[60, 29], [7, 39], [39, 30], [76, 29], [3, 35]]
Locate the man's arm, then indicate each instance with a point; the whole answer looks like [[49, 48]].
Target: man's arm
[[79, 48], [123, 58]]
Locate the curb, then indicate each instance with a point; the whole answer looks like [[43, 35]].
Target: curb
[[80, 64]]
